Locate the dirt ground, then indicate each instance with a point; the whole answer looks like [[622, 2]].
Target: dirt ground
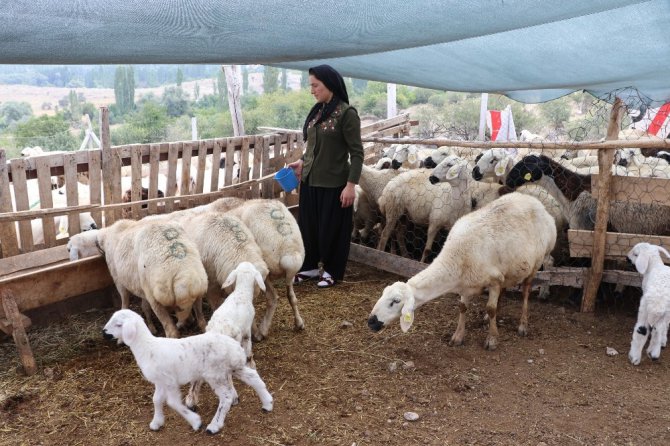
[[338, 383]]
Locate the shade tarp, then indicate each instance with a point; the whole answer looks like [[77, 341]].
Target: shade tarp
[[529, 50]]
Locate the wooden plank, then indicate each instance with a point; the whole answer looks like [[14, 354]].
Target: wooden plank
[[217, 148], [22, 202], [266, 169], [638, 189], [386, 123], [18, 332], [46, 199], [186, 154], [55, 283], [230, 160], [8, 240], [173, 157], [108, 165], [154, 157], [202, 165], [32, 260], [136, 181], [617, 244], [259, 148], [244, 160], [385, 261], [95, 183], [72, 193]]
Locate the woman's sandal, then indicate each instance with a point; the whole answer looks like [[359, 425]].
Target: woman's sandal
[[325, 282], [300, 278]]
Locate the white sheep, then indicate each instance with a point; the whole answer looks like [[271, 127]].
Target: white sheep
[[366, 209], [277, 233], [170, 363], [152, 260], [484, 249], [235, 317], [653, 315]]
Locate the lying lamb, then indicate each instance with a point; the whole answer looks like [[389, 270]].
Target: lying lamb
[[653, 316], [170, 363], [498, 246]]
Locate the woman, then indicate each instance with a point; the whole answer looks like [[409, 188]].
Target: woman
[[329, 170]]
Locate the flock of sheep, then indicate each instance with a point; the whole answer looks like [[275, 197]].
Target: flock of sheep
[[503, 210]]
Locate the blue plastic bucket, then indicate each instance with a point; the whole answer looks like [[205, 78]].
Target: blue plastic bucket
[[287, 179]]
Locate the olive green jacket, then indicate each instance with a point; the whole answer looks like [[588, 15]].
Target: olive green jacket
[[334, 153]]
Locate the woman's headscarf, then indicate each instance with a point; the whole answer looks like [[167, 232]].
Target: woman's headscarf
[[333, 82]]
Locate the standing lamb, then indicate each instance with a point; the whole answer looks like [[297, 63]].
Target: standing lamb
[[653, 315], [170, 363], [152, 260], [484, 249]]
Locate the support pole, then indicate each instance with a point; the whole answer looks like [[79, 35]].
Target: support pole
[[483, 108], [605, 159], [234, 83], [18, 332]]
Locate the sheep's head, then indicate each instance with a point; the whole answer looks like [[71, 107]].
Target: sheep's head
[[122, 326], [624, 157], [449, 169], [397, 301], [436, 157], [84, 244], [642, 253], [250, 274], [493, 163], [529, 169]]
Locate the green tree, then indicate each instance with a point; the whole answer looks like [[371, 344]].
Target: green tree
[[245, 79], [180, 76], [270, 79], [557, 112], [222, 86], [75, 105], [284, 79], [124, 88], [175, 101], [13, 112], [48, 132], [146, 125], [196, 91], [461, 119]]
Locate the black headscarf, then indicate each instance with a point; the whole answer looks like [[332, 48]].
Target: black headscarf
[[333, 82]]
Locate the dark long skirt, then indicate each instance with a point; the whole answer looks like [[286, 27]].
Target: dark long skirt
[[326, 229]]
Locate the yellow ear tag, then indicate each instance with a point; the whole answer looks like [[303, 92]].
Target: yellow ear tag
[[527, 177], [408, 317], [411, 158], [62, 229], [500, 170]]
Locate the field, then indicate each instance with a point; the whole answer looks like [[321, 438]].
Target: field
[[338, 383]]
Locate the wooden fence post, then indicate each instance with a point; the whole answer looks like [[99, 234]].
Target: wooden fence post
[[107, 164], [605, 159]]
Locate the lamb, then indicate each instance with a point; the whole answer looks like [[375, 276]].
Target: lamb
[[653, 315], [572, 191], [235, 316], [277, 233], [483, 250], [152, 260], [170, 363], [366, 210]]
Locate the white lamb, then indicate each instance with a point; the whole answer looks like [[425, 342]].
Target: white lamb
[[498, 246], [653, 315], [152, 260], [235, 317], [170, 363]]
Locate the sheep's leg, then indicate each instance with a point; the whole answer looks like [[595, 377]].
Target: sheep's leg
[[654, 348], [193, 396], [391, 221], [545, 289], [199, 314], [125, 297], [432, 232], [640, 333], [492, 309], [224, 391], [459, 334], [149, 316], [159, 417], [259, 333], [246, 345], [525, 292], [400, 236], [251, 377], [165, 319], [298, 323], [174, 401], [215, 297]]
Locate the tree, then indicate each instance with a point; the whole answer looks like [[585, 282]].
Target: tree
[[270, 79], [180, 76], [75, 105], [196, 91], [176, 101], [284, 79], [48, 132], [13, 112], [124, 88], [222, 86], [245, 79], [557, 112]]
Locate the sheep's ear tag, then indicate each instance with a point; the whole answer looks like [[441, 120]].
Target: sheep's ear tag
[[452, 172], [527, 177], [62, 229], [411, 158], [500, 169]]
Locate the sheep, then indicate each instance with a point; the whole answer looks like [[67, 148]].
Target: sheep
[[235, 316], [484, 249], [410, 156], [572, 191], [279, 238], [653, 315], [170, 363], [223, 242], [366, 209], [152, 260], [438, 155]]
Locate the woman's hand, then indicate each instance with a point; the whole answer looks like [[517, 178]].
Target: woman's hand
[[297, 168], [348, 194]]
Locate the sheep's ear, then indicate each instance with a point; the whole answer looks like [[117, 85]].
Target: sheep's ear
[[454, 171], [63, 224], [407, 314], [230, 280], [259, 280], [129, 331], [501, 167], [642, 262], [664, 251]]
